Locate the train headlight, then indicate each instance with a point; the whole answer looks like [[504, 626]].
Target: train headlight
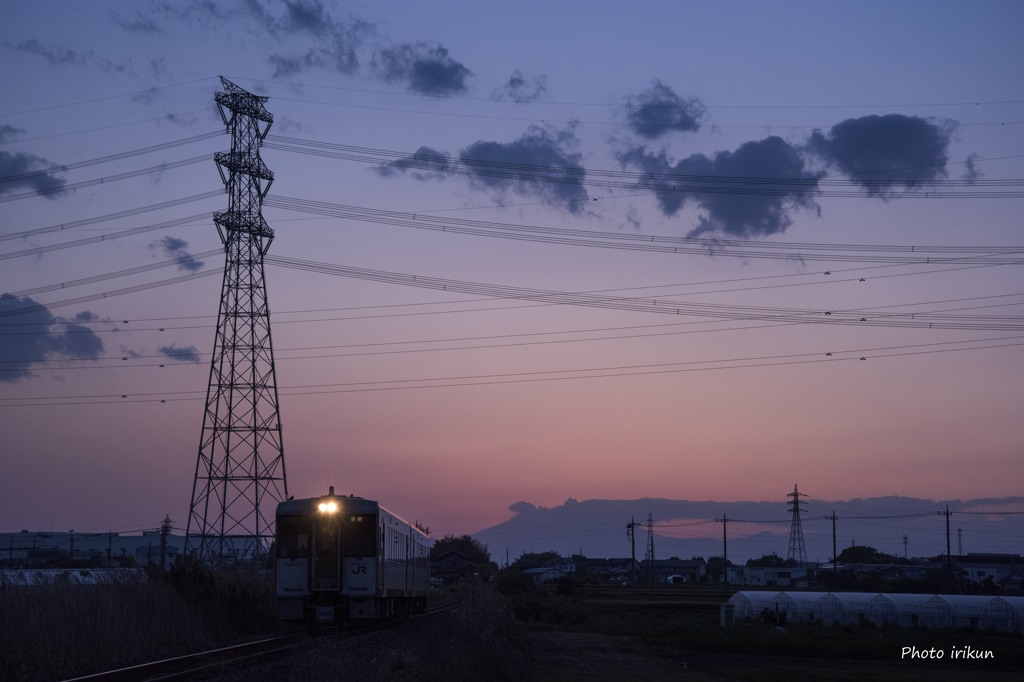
[[330, 507]]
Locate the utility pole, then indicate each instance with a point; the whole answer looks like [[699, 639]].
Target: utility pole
[[725, 555], [165, 530], [240, 474], [959, 542], [949, 555], [835, 570]]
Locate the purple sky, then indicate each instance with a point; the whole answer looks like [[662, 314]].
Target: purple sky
[[774, 327]]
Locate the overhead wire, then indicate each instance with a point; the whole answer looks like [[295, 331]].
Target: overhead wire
[[56, 189], [928, 320], [810, 185], [532, 377], [37, 250], [737, 248], [61, 227], [63, 168]]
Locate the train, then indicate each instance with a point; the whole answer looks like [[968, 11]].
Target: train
[[341, 558]]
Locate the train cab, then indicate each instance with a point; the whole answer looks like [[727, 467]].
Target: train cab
[[341, 558]]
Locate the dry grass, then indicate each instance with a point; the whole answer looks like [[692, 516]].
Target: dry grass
[[54, 630]]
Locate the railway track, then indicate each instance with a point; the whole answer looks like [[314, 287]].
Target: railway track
[[203, 663], [216, 662]]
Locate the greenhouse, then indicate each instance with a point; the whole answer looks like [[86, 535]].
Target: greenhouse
[[983, 612]]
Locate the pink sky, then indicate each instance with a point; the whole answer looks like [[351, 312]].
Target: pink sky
[[759, 406]]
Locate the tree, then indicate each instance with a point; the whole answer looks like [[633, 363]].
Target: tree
[[715, 565], [771, 561], [536, 560], [862, 554], [475, 550]]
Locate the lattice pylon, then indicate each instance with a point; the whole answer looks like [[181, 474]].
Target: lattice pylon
[[240, 473], [797, 549]]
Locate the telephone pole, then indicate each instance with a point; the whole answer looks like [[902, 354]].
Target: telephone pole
[[949, 556], [835, 571], [240, 475], [725, 554], [631, 534]]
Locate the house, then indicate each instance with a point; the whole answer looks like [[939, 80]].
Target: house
[[998, 569], [452, 566], [547, 574], [619, 570], [674, 570]]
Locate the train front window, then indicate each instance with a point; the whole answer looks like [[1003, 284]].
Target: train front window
[[360, 535], [326, 554], [292, 537]]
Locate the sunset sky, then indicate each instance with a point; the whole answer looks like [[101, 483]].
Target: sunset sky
[[690, 250]]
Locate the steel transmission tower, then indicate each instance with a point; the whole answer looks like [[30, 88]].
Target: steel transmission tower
[[649, 555], [240, 474], [797, 549]]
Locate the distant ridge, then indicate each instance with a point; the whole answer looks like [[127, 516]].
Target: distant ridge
[[684, 528]]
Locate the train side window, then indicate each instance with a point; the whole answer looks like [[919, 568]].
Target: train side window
[[292, 538]]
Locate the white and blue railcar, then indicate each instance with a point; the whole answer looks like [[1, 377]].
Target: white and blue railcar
[[340, 558]]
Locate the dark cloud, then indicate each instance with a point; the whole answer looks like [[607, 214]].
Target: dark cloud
[[540, 164], [172, 247], [87, 316], [52, 54], [971, 172], [518, 89], [881, 153], [326, 42], [61, 56], [425, 164], [187, 354], [424, 68], [307, 15], [523, 507], [21, 170], [336, 45], [659, 110], [26, 338], [9, 132], [206, 13], [290, 65], [743, 193], [137, 24]]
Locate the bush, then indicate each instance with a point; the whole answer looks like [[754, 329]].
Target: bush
[[56, 628]]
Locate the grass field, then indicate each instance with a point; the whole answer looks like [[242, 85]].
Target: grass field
[[683, 624]]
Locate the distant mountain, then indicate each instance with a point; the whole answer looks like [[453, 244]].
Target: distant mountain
[[685, 528]]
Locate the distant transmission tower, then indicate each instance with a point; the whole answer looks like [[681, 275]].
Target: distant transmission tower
[[649, 555], [797, 549], [240, 474]]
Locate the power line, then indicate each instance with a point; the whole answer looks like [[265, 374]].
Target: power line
[[529, 377], [103, 180], [107, 97], [918, 320], [35, 251], [656, 182], [21, 177], [737, 248], [60, 227]]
